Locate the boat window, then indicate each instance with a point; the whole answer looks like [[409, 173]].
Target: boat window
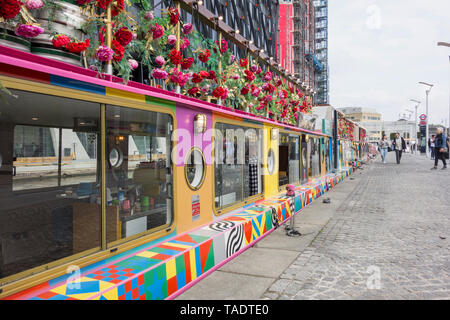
[[238, 173], [289, 159], [49, 180], [138, 172]]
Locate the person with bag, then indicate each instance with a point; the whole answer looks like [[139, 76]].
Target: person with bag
[[440, 149], [383, 145], [399, 146]]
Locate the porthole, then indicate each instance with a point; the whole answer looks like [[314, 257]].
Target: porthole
[[195, 169], [115, 157], [271, 161]]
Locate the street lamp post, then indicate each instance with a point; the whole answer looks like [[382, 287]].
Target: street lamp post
[[446, 44], [415, 120], [428, 118]]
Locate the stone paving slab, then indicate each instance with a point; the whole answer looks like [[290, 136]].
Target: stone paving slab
[[221, 285], [279, 261]]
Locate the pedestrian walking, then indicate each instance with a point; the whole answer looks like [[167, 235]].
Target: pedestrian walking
[[441, 147], [399, 146], [432, 147], [383, 144]]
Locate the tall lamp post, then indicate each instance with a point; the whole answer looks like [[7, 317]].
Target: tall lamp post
[[415, 120], [430, 86], [446, 44]]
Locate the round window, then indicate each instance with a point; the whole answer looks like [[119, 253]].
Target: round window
[[271, 161], [115, 157], [195, 169]]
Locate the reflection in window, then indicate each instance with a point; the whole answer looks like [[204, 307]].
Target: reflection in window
[[49, 183], [237, 168], [195, 169], [314, 157], [139, 175], [289, 159]]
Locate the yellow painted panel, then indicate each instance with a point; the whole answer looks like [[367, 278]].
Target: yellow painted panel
[[193, 265], [183, 196], [171, 268], [147, 254], [125, 94], [270, 180]]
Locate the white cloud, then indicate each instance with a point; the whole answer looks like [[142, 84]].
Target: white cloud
[[378, 56]]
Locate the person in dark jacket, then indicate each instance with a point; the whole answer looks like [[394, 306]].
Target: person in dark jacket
[[440, 146], [399, 146]]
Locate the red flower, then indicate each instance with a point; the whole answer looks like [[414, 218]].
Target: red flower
[[77, 47], [60, 40], [123, 36], [193, 91], [223, 47], [187, 63], [173, 13], [103, 4], [157, 31], [212, 75], [218, 92], [196, 78], [175, 57], [119, 51], [249, 75], [204, 56], [245, 90], [204, 74], [117, 8], [9, 8], [243, 62]]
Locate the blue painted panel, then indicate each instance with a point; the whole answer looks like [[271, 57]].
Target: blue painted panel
[[76, 84]]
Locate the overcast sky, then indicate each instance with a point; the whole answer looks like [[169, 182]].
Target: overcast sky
[[380, 49]]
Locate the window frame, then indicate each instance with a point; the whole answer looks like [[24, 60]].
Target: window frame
[[219, 211]]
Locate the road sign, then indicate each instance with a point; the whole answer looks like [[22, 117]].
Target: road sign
[[423, 117]]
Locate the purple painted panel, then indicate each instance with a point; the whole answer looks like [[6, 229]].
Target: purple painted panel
[[187, 139]]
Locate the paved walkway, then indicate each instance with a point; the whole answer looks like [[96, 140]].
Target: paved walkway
[[385, 235]]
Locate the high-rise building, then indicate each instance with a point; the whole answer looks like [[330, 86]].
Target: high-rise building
[[296, 41], [321, 51], [256, 20]]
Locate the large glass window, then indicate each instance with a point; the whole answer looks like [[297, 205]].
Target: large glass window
[[138, 171], [237, 168], [314, 157], [49, 179], [304, 161], [289, 159]]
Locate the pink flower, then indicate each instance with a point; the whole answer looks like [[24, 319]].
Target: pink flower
[[256, 91], [187, 28], [133, 63], [172, 40], [253, 68], [28, 30], [104, 54], [232, 58], [179, 78], [235, 77], [267, 76], [149, 15], [205, 88], [34, 4], [159, 74], [160, 61], [184, 43]]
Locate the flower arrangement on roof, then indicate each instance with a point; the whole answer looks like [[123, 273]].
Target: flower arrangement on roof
[[185, 60]]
